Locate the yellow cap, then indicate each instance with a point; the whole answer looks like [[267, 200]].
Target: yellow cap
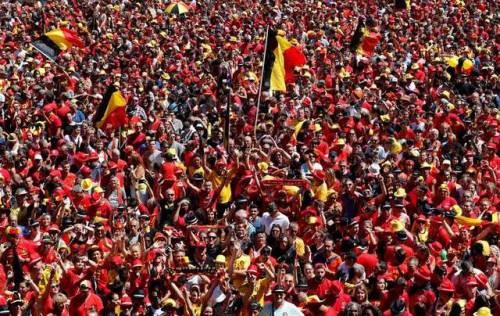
[[400, 193], [220, 259], [170, 302], [86, 184], [263, 166], [396, 226]]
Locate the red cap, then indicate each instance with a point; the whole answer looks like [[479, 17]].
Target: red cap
[[136, 263], [423, 273], [54, 227], [435, 248], [421, 218], [117, 260], [125, 301], [446, 286], [252, 270]]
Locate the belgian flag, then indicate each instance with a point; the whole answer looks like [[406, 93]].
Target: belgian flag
[[53, 42], [364, 41], [111, 112], [280, 59]]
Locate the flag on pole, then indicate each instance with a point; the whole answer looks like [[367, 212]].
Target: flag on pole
[[111, 112], [364, 41], [53, 42], [281, 57]]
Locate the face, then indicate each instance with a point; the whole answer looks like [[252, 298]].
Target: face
[[279, 298], [308, 271], [208, 311], [289, 281], [381, 285], [320, 273], [329, 246], [360, 295]]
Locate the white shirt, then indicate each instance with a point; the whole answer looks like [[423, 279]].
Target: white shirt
[[286, 309], [280, 219]]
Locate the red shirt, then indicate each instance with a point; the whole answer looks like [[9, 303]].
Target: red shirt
[[81, 305]]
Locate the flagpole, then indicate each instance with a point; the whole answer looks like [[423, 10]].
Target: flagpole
[[227, 120], [261, 82]]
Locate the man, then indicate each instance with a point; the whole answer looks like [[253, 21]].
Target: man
[[279, 306], [84, 301], [274, 216]]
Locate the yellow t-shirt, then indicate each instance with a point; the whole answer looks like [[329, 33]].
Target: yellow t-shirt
[[192, 171], [241, 263], [257, 292], [225, 193]]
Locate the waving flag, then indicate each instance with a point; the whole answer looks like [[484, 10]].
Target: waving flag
[[364, 41], [111, 112], [281, 57], [53, 42]]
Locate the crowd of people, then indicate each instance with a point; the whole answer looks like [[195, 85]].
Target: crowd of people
[[369, 187]]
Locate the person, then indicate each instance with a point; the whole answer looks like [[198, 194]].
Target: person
[[85, 301], [278, 305], [156, 152]]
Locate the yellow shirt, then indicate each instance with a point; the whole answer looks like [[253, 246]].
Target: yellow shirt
[[225, 193], [241, 263], [256, 292], [192, 171]]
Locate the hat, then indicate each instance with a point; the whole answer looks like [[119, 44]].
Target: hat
[[136, 263], [254, 306], [138, 294], [421, 218], [54, 228], [191, 218], [435, 248], [279, 289], [400, 193], [444, 187], [426, 165], [85, 285], [252, 270], [396, 226], [483, 311], [86, 184], [220, 259], [423, 273], [125, 301], [446, 286], [21, 191], [169, 302]]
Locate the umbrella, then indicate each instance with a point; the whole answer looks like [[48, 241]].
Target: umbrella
[[177, 8]]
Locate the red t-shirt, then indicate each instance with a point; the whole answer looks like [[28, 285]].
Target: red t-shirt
[[81, 305]]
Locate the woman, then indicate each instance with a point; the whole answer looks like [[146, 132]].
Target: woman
[[273, 238], [360, 294]]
